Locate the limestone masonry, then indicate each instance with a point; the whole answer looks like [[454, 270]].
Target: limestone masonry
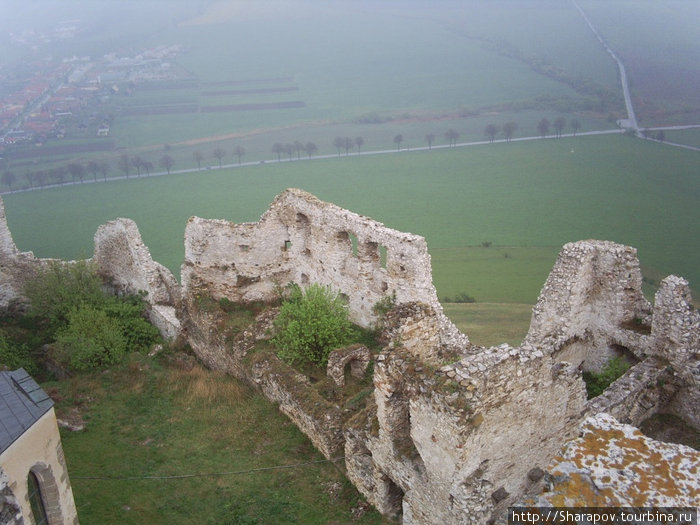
[[451, 432]]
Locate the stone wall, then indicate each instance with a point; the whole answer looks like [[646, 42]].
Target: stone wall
[[125, 263], [301, 239], [15, 266], [592, 297]]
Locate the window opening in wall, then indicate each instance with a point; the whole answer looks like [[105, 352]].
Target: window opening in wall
[[36, 500], [287, 245], [304, 279], [353, 241], [382, 256], [244, 247]]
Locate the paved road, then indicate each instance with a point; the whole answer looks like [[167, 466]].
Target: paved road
[[631, 121]]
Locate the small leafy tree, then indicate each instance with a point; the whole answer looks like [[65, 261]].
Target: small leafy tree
[[311, 323]]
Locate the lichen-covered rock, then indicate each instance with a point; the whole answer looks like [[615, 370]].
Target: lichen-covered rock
[[615, 465]]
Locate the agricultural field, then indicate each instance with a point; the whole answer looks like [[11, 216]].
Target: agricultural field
[[524, 199], [658, 41]]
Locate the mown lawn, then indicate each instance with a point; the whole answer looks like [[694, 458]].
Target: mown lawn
[[157, 417]]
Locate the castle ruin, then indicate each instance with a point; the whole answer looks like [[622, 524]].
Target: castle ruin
[[452, 432]]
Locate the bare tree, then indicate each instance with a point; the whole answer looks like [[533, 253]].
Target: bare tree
[[289, 150], [104, 169], [124, 164], [239, 151], [398, 139], [93, 168], [509, 129], [491, 131], [42, 177], [310, 148], [278, 148], [298, 147], [359, 142], [198, 157], [451, 136], [543, 127], [219, 153], [430, 138], [575, 125], [559, 124], [167, 162], [76, 170], [348, 144], [148, 166], [137, 162], [8, 179], [338, 142], [58, 174]]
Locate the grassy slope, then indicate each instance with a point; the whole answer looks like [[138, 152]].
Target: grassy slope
[[148, 418], [536, 194]]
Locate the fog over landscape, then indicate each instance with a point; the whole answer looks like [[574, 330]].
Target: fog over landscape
[[499, 131]]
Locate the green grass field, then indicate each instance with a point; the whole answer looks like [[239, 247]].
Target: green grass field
[[527, 199], [154, 418]]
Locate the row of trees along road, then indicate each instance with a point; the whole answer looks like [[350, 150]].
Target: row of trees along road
[[126, 163]]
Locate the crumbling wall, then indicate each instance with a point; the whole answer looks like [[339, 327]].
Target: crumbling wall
[[15, 267], [301, 239], [676, 338], [458, 440], [590, 305], [125, 263]]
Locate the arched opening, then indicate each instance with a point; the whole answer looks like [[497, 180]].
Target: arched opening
[[43, 495], [36, 500]]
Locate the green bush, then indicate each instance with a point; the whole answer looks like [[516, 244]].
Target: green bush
[[90, 328], [311, 323], [91, 339], [129, 313], [14, 355], [596, 383], [60, 288]]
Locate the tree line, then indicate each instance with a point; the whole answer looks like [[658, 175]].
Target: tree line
[[128, 164]]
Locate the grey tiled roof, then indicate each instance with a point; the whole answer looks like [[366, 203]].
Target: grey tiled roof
[[22, 403]]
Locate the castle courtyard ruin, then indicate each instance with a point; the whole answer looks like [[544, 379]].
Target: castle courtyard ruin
[[452, 432]]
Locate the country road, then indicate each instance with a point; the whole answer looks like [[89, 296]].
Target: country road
[[631, 121]]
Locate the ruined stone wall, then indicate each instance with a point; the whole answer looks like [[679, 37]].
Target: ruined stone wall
[[15, 267], [125, 263], [303, 240], [592, 294], [458, 441], [676, 338]]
